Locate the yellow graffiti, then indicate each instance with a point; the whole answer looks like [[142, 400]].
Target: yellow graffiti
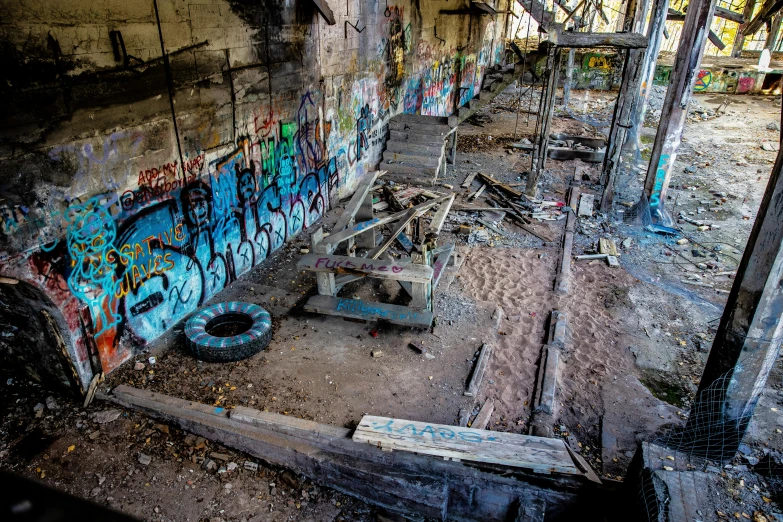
[[599, 62]]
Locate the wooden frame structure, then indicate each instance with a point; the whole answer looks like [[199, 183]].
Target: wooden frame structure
[[418, 276]]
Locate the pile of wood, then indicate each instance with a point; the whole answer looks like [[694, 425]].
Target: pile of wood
[[418, 271]]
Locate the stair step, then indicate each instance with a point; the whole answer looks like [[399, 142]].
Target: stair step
[[411, 179], [439, 129], [431, 160], [414, 148], [418, 118], [400, 168], [415, 137]]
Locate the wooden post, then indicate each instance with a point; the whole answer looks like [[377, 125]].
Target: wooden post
[[325, 281], [451, 148], [366, 239], [569, 77], [750, 331], [693, 40], [655, 38], [621, 122], [773, 28], [421, 292], [547, 107], [739, 40]]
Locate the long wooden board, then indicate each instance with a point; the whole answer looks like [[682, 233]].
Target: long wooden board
[[367, 267], [358, 228], [478, 372], [356, 201], [539, 454], [368, 311]]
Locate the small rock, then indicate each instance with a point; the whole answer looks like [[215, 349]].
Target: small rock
[[138, 366], [39, 409], [209, 465], [232, 466], [106, 416], [152, 360], [51, 404], [770, 146], [773, 126], [304, 250], [376, 354], [626, 244], [144, 460], [228, 486], [95, 492]]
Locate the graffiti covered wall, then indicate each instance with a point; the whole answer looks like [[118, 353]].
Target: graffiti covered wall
[[135, 189]]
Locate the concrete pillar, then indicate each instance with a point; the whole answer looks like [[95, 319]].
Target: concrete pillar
[[569, 77], [655, 38], [751, 329], [739, 39], [693, 40]]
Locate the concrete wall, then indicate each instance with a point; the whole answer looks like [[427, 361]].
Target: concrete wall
[[129, 225]]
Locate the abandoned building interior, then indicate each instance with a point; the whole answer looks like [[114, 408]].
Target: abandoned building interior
[[364, 260]]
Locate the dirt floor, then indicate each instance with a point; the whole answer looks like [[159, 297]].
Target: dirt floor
[[637, 335]]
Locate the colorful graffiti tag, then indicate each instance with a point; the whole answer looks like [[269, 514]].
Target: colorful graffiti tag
[[703, 81]]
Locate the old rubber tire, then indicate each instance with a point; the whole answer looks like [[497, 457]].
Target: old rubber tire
[[249, 325]]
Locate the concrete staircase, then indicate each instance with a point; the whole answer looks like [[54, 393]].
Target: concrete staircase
[[416, 150]]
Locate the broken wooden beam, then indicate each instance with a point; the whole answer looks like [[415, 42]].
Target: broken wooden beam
[[482, 419], [368, 311], [562, 282], [400, 481], [478, 372]]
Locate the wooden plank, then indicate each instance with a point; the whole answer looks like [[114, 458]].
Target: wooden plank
[[358, 228], [405, 242], [439, 218], [478, 372], [368, 311], [571, 39], [467, 444], [325, 10], [562, 283], [367, 267], [440, 262], [356, 201], [401, 225], [607, 246], [365, 213], [482, 419], [586, 205], [469, 179], [476, 194], [501, 186], [491, 227]]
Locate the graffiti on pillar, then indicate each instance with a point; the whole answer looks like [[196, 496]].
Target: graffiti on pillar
[[660, 177], [703, 81]]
